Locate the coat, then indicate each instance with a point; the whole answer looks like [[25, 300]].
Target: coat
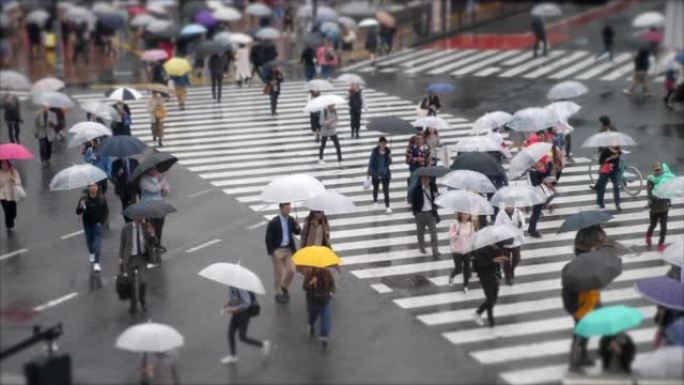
[[8, 180], [375, 164], [319, 284], [274, 234], [128, 261], [328, 122], [309, 232], [418, 198], [45, 128], [242, 66], [95, 211], [578, 304]]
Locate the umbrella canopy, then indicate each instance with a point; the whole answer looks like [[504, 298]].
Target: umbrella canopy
[[13, 80], [321, 11], [478, 161], [440, 88], [100, 109], [494, 234], [431, 121], [156, 7], [546, 10], [121, 146], [369, 22], [142, 20], [316, 256], [292, 188], [330, 27], [464, 202], [674, 254], [608, 321], [391, 125], [347, 22], [160, 160], [53, 99], [226, 14], [258, 9], [592, 270], [47, 84], [566, 90], [193, 29], [476, 144], [584, 219], [468, 180], [679, 58], [528, 157], [37, 17], [562, 111], [88, 133], [651, 36], [190, 8], [350, 79], [240, 38], [234, 275], [78, 176], [205, 18], [672, 188], [518, 196], [208, 48], [666, 362], [357, 8], [490, 121], [385, 19], [648, 19], [662, 291], [112, 21], [268, 33], [124, 93], [531, 119], [78, 14], [318, 85], [609, 139], [103, 8], [149, 209], [14, 151], [331, 203], [177, 66], [158, 26], [87, 126], [149, 337], [223, 38], [431, 171], [154, 55], [323, 101]]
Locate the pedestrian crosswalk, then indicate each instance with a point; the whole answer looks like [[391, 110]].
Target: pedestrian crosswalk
[[238, 147]]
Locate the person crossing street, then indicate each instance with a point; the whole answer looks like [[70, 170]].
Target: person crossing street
[[280, 244]]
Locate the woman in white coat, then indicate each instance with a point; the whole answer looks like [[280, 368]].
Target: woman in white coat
[[512, 217], [243, 72]]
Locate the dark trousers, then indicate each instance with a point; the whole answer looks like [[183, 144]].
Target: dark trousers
[[10, 210], [601, 187], [578, 349], [216, 86], [274, 102], [607, 49], [93, 235], [158, 225], [540, 40], [461, 265], [336, 141], [655, 218], [355, 116], [13, 131], [139, 288], [309, 72], [239, 322], [534, 218], [45, 149], [568, 144], [80, 51], [512, 263], [490, 286], [127, 197], [385, 188]]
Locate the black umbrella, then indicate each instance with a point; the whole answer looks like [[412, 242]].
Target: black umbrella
[[592, 270], [112, 21], [149, 209], [159, 160], [166, 34], [478, 161], [121, 146], [391, 125], [432, 171], [208, 48], [584, 219], [314, 40]]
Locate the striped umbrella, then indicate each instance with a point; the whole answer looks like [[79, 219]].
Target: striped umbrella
[[124, 93]]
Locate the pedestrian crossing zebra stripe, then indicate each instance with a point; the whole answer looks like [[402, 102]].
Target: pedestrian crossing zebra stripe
[[467, 60], [493, 59], [535, 62], [449, 58]]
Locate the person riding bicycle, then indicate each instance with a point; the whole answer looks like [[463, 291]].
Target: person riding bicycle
[[610, 168], [135, 250]]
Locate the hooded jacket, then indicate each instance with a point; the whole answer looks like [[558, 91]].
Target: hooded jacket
[[658, 205]]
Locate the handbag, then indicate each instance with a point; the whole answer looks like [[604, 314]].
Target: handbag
[[366, 184], [123, 286], [19, 193], [254, 308], [606, 168]]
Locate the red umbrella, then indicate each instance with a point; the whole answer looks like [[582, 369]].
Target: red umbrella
[[136, 10], [651, 36], [14, 151]]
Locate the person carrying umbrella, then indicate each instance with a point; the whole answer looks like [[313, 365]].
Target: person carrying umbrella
[[217, 66], [241, 305], [274, 79], [80, 43], [122, 169], [158, 73], [658, 207], [10, 103], [641, 65], [104, 163], [10, 192], [357, 102], [45, 123], [425, 212], [609, 162], [430, 105], [486, 263], [242, 69], [608, 38], [379, 172], [372, 44], [537, 173], [180, 84], [513, 217], [670, 84], [94, 211], [308, 60], [316, 230], [539, 31], [590, 238], [157, 110], [319, 286], [417, 154], [460, 233], [315, 117], [617, 353], [280, 245], [122, 126], [329, 130], [153, 186], [327, 58], [135, 248]]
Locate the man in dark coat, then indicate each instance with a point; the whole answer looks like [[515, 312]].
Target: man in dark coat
[[135, 251], [280, 244], [217, 66], [539, 31], [121, 171], [425, 211]]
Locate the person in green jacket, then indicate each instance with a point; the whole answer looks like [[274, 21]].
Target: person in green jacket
[[658, 207]]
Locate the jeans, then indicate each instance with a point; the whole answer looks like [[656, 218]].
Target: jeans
[[427, 219], [614, 177], [316, 309], [385, 188], [239, 322], [216, 86], [355, 116], [461, 265], [274, 102], [490, 286], [93, 235], [10, 210], [336, 141], [45, 149], [13, 131], [655, 218], [534, 218], [309, 72], [540, 40], [326, 71]]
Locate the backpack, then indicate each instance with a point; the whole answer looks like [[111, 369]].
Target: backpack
[[254, 308]]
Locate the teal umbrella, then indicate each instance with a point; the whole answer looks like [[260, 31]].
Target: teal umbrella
[[608, 321]]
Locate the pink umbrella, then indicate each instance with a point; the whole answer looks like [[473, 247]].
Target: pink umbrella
[[14, 151], [154, 55], [651, 36]]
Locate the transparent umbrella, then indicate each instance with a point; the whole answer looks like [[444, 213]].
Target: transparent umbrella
[[566, 90], [546, 10], [528, 157], [240, 38], [369, 22], [226, 14], [13, 80], [673, 188], [489, 121], [142, 20], [318, 85], [476, 144], [648, 19], [47, 84], [517, 196], [609, 139], [53, 99], [233, 275], [531, 119], [222, 38], [78, 176], [323, 101], [149, 337], [674, 254], [292, 188], [37, 17], [100, 109], [347, 21], [331, 203], [87, 134], [258, 9], [431, 121], [562, 111], [350, 78], [464, 202], [666, 362], [268, 33], [468, 180], [494, 234]]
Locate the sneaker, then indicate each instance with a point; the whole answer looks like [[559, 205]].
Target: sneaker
[[423, 251], [388, 211], [339, 163], [324, 342], [97, 268], [376, 206], [229, 359], [280, 298], [649, 244], [478, 320], [661, 247], [618, 208], [451, 281], [91, 258], [321, 161], [266, 348]]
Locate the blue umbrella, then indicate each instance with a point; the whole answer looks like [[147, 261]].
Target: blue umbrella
[[193, 29], [441, 88], [680, 57], [112, 21], [663, 291]]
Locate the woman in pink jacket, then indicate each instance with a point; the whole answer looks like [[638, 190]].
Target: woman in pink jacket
[[328, 59], [460, 233]]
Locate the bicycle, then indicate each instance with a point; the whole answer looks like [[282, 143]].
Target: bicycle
[[631, 180]]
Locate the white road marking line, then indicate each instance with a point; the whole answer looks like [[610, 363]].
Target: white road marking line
[[476, 57], [604, 66], [556, 64], [381, 288], [13, 254], [202, 246], [490, 60], [620, 72], [453, 55], [71, 235], [55, 302], [205, 191], [531, 64], [488, 71], [256, 225]]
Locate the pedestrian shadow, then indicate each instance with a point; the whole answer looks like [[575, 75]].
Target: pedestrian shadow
[[95, 281]]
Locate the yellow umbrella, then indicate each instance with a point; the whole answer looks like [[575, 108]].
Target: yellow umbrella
[[177, 66], [316, 256]]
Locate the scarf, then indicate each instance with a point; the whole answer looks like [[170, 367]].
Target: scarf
[[664, 176]]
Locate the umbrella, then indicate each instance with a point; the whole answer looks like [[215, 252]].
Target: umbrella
[[528, 157], [136, 10], [112, 21], [478, 161], [490, 121], [88, 133], [87, 126], [190, 8], [518, 196], [193, 29], [546, 10], [566, 90], [662, 291], [38, 17], [673, 188], [307, 11], [331, 203], [121, 146], [584, 219], [103, 8], [292, 188], [47, 84], [666, 362], [158, 26], [149, 209], [494, 234], [350, 78], [318, 85], [651, 36], [369, 22], [142, 20], [14, 151], [258, 9], [476, 144], [100, 109], [226, 14], [13, 80], [149, 337], [323, 101], [80, 15], [53, 99], [330, 27], [431, 171], [78, 176], [156, 7], [385, 19], [357, 8], [468, 180], [154, 55], [268, 33], [208, 48], [223, 38], [648, 19], [313, 40], [177, 66], [562, 111], [205, 18], [679, 58], [674, 254], [592, 270], [391, 125], [240, 38], [531, 119], [440, 88], [124, 93], [159, 160], [609, 139], [464, 202], [431, 121], [347, 22], [608, 321], [234, 275], [316, 256]]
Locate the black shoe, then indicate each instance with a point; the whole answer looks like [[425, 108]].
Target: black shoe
[[286, 294], [509, 281], [618, 208], [143, 307], [161, 248], [535, 234], [586, 362], [311, 331], [280, 298], [423, 251], [132, 310]]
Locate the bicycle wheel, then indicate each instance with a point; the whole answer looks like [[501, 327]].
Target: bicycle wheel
[[592, 174], [632, 182]]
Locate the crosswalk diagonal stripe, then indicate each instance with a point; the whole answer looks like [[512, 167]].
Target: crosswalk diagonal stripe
[[556, 64], [605, 66], [531, 64], [469, 59], [453, 55], [480, 64]]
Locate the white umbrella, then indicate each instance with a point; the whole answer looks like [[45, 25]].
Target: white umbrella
[[467, 202], [292, 188], [47, 84], [103, 8], [528, 157], [369, 22], [357, 8], [546, 10], [666, 362], [323, 101], [531, 119], [347, 22], [86, 126], [226, 14], [240, 38], [330, 27], [149, 337], [467, 180], [234, 275], [562, 111], [318, 85], [489, 121], [156, 8], [648, 19], [258, 9], [124, 93], [215, 4], [350, 78], [142, 20], [86, 134], [53, 99], [674, 254], [78, 176], [673, 188], [322, 12], [517, 196], [79, 14], [331, 203], [13, 80], [268, 33], [494, 234], [38, 17], [100, 109], [566, 90], [157, 26], [223, 38], [431, 121], [609, 139], [476, 144]]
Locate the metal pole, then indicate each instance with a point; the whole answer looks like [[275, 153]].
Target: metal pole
[[49, 334]]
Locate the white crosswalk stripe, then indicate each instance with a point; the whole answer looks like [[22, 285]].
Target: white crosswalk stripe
[[239, 147]]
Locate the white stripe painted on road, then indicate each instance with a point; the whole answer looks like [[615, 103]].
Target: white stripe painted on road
[[531, 64], [71, 235], [202, 246], [13, 254], [381, 288], [488, 71], [591, 60], [453, 55], [428, 57], [556, 64], [55, 302], [619, 73], [521, 58], [257, 225], [491, 60], [202, 192], [594, 71], [467, 60]]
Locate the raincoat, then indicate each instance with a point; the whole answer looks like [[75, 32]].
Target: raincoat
[[656, 204]]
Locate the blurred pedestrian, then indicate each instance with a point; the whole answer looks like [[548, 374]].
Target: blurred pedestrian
[[122, 169], [242, 70], [327, 58], [275, 78], [417, 155], [539, 31], [122, 125], [617, 353], [579, 304], [217, 66], [280, 244], [589, 239], [319, 286], [537, 174], [288, 21], [159, 73], [642, 64], [606, 124], [242, 305], [45, 123], [486, 263], [315, 117], [34, 32], [433, 143], [425, 212], [94, 211], [429, 105], [460, 233], [608, 38], [256, 58], [513, 217], [180, 84], [10, 103], [329, 130], [60, 115], [372, 44], [670, 85], [154, 187], [357, 102], [308, 60], [379, 172], [135, 250], [316, 230], [104, 163], [80, 43], [609, 162], [157, 110], [658, 207], [11, 191], [663, 319]]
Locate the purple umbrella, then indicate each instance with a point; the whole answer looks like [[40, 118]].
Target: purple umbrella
[[663, 291], [205, 18]]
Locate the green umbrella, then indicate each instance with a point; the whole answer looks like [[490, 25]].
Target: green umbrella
[[608, 321]]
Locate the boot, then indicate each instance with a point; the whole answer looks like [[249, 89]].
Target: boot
[[661, 247], [649, 244]]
